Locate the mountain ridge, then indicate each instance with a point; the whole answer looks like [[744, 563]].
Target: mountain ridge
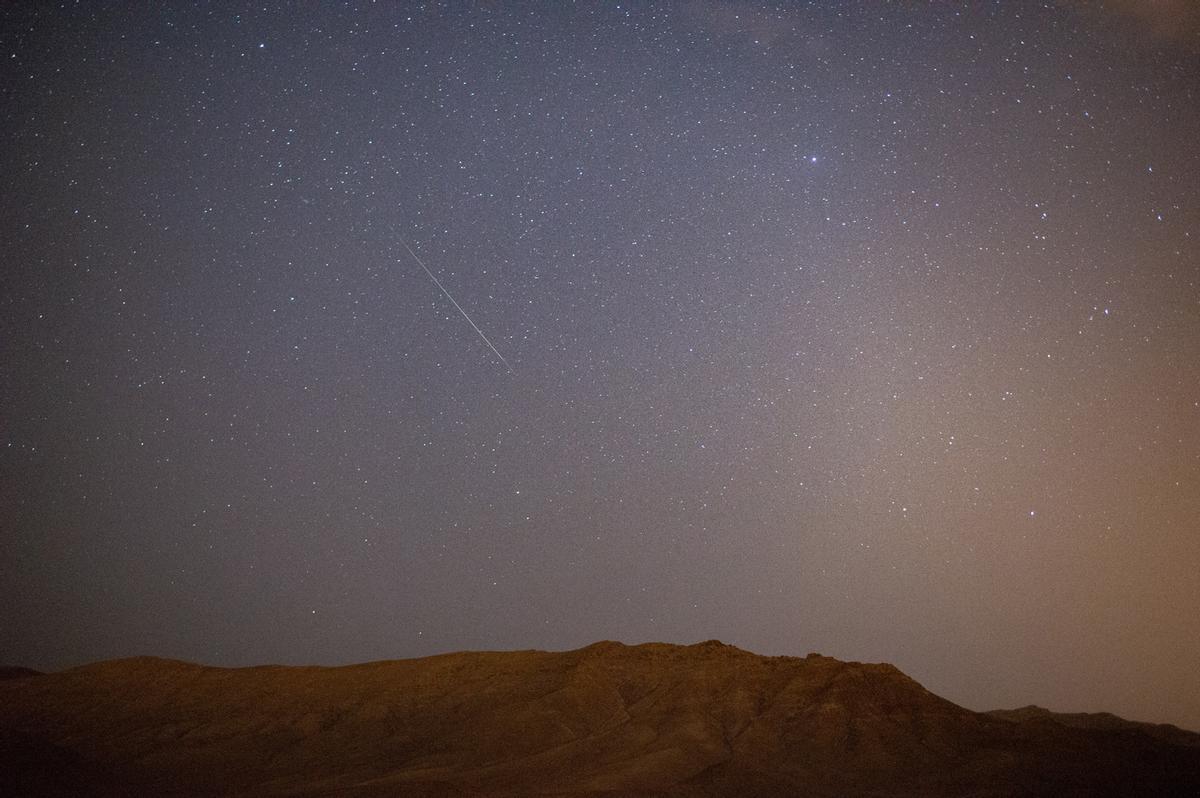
[[607, 719]]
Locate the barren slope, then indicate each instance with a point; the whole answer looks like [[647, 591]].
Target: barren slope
[[608, 719]]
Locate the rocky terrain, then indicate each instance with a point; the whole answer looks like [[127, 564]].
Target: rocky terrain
[[605, 720]]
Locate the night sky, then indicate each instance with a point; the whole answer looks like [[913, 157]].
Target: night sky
[[865, 328]]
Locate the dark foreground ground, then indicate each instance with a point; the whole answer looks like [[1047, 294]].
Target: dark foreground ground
[[606, 720]]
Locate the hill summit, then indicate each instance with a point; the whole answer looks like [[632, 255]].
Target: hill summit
[[606, 720]]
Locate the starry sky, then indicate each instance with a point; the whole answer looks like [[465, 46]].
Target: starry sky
[[864, 328]]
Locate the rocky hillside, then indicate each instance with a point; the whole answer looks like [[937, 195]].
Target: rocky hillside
[[606, 720]]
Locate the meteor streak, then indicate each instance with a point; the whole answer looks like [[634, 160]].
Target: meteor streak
[[438, 283]]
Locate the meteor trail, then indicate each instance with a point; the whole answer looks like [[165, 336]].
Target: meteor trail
[[438, 283]]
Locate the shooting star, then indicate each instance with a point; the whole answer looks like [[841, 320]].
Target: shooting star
[[438, 283]]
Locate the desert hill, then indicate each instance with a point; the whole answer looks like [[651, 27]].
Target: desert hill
[[605, 720], [1099, 720]]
